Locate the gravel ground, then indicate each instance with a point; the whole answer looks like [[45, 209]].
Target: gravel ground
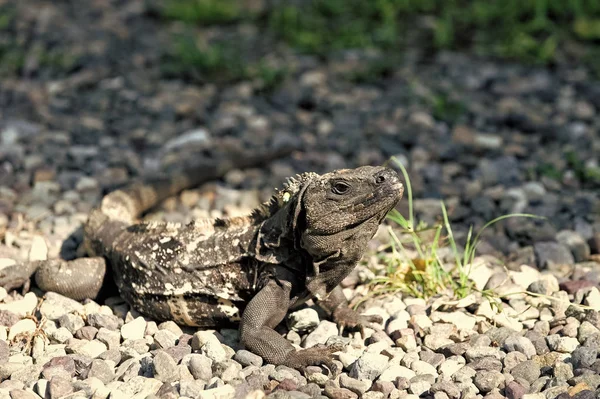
[[488, 138]]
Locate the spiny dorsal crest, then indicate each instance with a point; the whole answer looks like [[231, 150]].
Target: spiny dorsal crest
[[281, 197], [293, 184]]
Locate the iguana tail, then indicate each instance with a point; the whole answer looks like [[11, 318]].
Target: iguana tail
[[121, 208], [130, 203]]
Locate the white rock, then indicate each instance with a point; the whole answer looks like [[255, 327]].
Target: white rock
[[21, 307], [525, 277], [461, 320], [192, 137], [303, 320], [92, 349], [420, 367], [324, 330], [134, 329], [562, 344], [394, 371], [39, 249], [5, 262], [22, 326], [592, 299]]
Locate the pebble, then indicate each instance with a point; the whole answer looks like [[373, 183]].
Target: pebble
[[71, 322], [164, 339], [549, 254], [56, 305], [23, 327], [528, 370], [321, 333], [99, 320], [369, 366], [165, 368], [199, 366], [520, 344], [101, 370], [247, 358], [562, 344], [21, 307], [134, 329], [303, 320]]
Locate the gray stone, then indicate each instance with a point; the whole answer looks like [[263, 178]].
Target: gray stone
[[165, 368], [303, 320], [486, 364], [359, 387], [576, 243], [485, 381], [178, 352], [128, 369], [199, 365], [529, 370], [208, 343], [139, 386], [550, 253], [101, 370], [165, 339], [172, 327], [87, 333], [282, 372], [419, 385], [562, 344], [514, 390], [228, 370], [521, 344], [333, 392], [247, 358], [59, 387], [100, 321], [110, 338], [324, 330], [583, 357], [27, 374], [512, 359], [71, 322], [450, 389], [135, 329], [56, 305], [369, 366], [563, 371]]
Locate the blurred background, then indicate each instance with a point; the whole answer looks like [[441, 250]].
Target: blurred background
[[491, 105]]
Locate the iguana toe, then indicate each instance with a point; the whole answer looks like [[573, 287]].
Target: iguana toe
[[316, 356]]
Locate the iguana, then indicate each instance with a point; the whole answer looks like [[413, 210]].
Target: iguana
[[299, 245]]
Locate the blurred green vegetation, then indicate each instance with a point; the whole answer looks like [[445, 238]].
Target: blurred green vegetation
[[534, 31], [204, 11]]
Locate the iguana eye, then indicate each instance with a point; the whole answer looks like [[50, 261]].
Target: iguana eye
[[340, 188]]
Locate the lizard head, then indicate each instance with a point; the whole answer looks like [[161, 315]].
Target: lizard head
[[337, 214], [345, 199], [330, 218]]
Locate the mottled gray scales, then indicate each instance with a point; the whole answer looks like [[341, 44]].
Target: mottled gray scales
[[249, 270]]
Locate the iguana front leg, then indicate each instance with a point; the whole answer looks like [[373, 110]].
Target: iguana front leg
[[262, 314], [337, 307]]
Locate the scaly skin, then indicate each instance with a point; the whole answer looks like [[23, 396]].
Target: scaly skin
[[251, 270]]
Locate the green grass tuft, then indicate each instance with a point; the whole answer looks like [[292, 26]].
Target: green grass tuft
[[413, 264]]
